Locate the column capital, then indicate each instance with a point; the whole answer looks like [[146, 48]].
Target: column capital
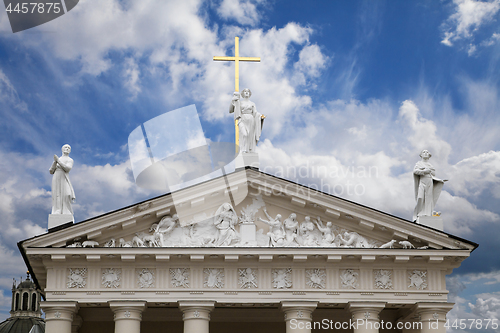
[[127, 310], [196, 309], [367, 311], [432, 310], [299, 310], [59, 310]]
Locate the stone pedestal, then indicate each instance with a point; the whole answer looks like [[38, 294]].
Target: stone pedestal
[[59, 315], [247, 159], [298, 315], [56, 220], [433, 316], [435, 222], [247, 233], [128, 315], [196, 315], [366, 316]]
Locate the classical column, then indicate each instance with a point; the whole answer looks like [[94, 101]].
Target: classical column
[[59, 315], [128, 315], [76, 324], [365, 316], [433, 316], [196, 315], [298, 315]]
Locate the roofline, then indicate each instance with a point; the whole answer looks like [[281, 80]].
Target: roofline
[[30, 269], [476, 245]]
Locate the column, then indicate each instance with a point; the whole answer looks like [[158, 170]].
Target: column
[[128, 315], [365, 316], [196, 315], [298, 315], [76, 324], [59, 315], [433, 316]]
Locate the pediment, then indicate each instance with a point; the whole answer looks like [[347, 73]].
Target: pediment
[[230, 212]]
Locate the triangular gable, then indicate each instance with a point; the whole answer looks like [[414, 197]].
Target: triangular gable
[[244, 189]]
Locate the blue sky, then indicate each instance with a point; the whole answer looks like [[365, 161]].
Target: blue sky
[[345, 85]]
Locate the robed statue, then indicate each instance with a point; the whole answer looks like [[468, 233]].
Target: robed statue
[[63, 194], [249, 120], [427, 186]]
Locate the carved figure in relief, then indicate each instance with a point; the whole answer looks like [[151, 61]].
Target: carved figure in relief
[[179, 277], [249, 120], [225, 220], [165, 227], [63, 194], [137, 241], [427, 186], [291, 226], [306, 236], [276, 234], [383, 279], [316, 278], [418, 279], [77, 278], [214, 278], [111, 277], [388, 245], [110, 243], [247, 278], [146, 278], [406, 245], [75, 244], [90, 243], [349, 279], [282, 278], [328, 235], [353, 239], [123, 243]]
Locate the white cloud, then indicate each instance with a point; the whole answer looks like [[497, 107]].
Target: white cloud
[[8, 93], [468, 17], [131, 74], [242, 11], [487, 309]]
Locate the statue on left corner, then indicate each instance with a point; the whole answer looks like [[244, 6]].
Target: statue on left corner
[[63, 194]]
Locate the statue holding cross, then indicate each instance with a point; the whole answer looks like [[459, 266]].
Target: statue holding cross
[[247, 121]]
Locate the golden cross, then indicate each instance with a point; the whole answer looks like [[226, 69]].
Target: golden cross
[[237, 60]]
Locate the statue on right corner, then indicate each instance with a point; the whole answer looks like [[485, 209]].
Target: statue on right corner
[[249, 120], [427, 186]]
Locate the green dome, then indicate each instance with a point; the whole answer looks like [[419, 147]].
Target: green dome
[[21, 325]]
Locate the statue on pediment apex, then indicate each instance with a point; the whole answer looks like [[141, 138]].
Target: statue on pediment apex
[[248, 119]]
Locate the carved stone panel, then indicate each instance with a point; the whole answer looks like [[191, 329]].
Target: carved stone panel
[[316, 278], [146, 278], [247, 278], [349, 279], [282, 278], [418, 279], [383, 279], [111, 277], [77, 278], [213, 278], [179, 277]]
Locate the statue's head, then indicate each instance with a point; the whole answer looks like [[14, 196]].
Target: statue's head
[[307, 218], [278, 217], [328, 224], [246, 91], [66, 148], [425, 153], [293, 216]]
